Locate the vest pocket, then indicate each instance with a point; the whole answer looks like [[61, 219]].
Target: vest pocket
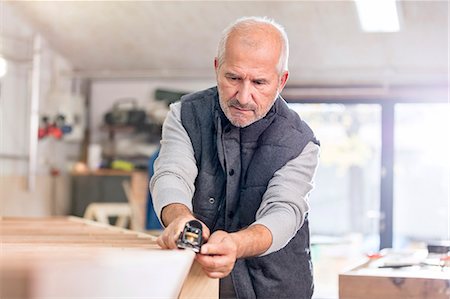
[[208, 198]]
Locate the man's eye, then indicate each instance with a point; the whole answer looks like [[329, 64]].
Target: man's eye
[[258, 82]]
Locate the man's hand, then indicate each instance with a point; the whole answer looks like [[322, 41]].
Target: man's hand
[[217, 257], [167, 240], [176, 216]]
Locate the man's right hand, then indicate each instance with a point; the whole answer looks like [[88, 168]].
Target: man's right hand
[[175, 216]]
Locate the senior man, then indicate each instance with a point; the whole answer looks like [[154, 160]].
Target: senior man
[[237, 159]]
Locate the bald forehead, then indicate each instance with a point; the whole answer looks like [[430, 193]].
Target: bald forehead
[[255, 36]]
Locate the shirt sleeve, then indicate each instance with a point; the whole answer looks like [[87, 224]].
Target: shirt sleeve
[[175, 167], [286, 198]]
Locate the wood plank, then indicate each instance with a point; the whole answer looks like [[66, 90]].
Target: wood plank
[[70, 249], [196, 286], [41, 257]]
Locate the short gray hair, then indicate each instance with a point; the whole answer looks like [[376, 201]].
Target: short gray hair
[[246, 22]]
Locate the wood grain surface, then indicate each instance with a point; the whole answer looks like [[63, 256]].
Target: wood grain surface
[[78, 258]]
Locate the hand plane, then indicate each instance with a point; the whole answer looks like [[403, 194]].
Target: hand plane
[[191, 236]]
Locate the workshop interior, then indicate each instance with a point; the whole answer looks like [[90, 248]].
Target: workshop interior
[[85, 87]]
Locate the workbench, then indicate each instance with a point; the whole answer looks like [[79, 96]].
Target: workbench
[[70, 257], [372, 280]]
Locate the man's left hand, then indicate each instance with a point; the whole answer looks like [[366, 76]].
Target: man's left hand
[[217, 257]]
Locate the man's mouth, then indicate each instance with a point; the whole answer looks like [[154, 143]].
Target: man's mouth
[[240, 109]]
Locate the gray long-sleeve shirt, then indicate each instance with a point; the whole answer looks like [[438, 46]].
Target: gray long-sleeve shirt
[[284, 204]]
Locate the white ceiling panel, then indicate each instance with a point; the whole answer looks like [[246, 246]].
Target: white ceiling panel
[[180, 37]]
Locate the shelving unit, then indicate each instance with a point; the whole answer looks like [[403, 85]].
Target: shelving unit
[[153, 131]]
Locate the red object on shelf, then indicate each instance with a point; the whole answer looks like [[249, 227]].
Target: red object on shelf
[[42, 132], [55, 132]]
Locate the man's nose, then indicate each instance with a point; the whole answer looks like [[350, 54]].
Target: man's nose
[[244, 93]]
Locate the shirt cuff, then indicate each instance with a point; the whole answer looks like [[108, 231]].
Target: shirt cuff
[[168, 195], [281, 233]]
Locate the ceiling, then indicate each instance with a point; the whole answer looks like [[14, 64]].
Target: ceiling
[[178, 39]]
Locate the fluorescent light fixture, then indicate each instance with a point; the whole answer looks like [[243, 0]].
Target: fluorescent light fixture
[[378, 15]]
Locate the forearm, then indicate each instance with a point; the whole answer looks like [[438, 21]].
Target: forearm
[[173, 211], [252, 241], [287, 198]]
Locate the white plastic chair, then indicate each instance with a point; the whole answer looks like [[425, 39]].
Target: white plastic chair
[[102, 211]]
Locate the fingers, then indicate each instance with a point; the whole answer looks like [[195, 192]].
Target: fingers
[[215, 262], [167, 240], [217, 272], [219, 243], [218, 256], [215, 266], [215, 249], [205, 232]]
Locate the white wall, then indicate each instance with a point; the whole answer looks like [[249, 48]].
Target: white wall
[[15, 199]]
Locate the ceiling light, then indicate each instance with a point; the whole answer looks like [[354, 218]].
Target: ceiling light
[[3, 67], [378, 15]]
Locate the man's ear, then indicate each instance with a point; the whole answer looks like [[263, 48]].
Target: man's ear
[[216, 64], [283, 79]]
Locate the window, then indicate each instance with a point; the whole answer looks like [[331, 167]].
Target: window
[[421, 173], [349, 194], [347, 181], [345, 204]]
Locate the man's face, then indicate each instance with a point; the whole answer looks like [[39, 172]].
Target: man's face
[[248, 80]]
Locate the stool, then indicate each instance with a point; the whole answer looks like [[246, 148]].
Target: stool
[[101, 212]]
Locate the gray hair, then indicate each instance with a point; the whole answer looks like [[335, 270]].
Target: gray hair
[[246, 22]]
